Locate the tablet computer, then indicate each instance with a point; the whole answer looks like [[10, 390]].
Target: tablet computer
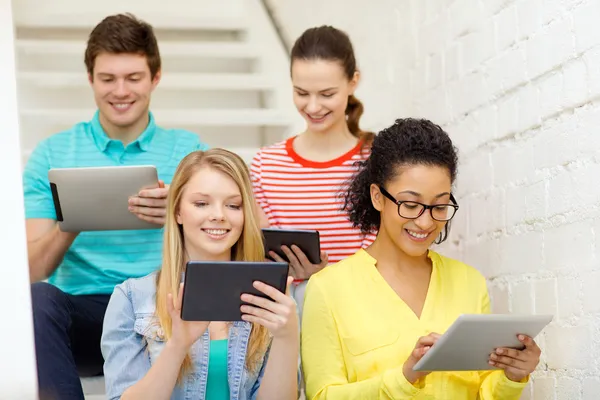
[[212, 289], [307, 240], [96, 198], [468, 343]]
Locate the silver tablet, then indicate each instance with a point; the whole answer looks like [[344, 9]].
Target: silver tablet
[[96, 198], [468, 343]]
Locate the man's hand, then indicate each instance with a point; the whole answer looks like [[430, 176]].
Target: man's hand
[[151, 204]]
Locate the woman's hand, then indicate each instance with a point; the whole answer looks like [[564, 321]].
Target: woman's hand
[[517, 364], [300, 267], [421, 348], [183, 333], [277, 314]]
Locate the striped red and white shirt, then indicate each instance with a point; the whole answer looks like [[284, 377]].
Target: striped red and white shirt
[[296, 193]]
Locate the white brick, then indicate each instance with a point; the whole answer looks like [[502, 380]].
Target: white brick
[[591, 388], [521, 253], [568, 347], [508, 115], [513, 164], [563, 242], [544, 388], [586, 194], [477, 47], [549, 48], [529, 107], [561, 193], [435, 71], [592, 63], [551, 10], [465, 16], [479, 170], [569, 303], [545, 297], [574, 84], [506, 28], [522, 298], [492, 7], [478, 255], [452, 66], [555, 134], [433, 36], [433, 106], [468, 93], [499, 299], [568, 389], [591, 292], [507, 71], [527, 393], [560, 38], [529, 15], [596, 233], [516, 205], [585, 22], [551, 90], [535, 200]]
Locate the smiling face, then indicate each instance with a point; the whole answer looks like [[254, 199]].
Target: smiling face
[[211, 215], [425, 184], [122, 85], [321, 91]]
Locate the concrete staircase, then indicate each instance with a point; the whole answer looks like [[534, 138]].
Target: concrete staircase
[[225, 74], [225, 71]]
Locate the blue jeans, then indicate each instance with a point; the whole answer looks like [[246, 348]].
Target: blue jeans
[[67, 332]]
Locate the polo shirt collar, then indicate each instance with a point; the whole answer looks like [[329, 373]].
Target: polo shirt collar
[[101, 139]]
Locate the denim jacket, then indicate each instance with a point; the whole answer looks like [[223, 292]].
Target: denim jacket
[[132, 341]]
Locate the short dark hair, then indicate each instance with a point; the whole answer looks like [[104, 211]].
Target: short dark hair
[[407, 142], [123, 34], [331, 44]]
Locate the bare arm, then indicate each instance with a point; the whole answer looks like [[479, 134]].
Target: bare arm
[[160, 380], [46, 247], [279, 382]]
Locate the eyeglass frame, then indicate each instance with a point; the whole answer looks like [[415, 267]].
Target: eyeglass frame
[[425, 206]]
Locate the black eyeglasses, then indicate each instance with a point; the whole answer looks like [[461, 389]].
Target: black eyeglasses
[[414, 209]]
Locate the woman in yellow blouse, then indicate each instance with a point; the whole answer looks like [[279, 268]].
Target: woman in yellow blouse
[[369, 318]]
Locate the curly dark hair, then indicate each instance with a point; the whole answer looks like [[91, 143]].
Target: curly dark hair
[[407, 142]]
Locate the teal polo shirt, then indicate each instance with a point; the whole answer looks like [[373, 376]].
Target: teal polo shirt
[[97, 261]]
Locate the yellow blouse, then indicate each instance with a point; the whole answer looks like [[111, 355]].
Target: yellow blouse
[[357, 333]]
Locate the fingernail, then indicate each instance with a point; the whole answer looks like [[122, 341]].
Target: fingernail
[[491, 363], [493, 356], [499, 351], [521, 337]]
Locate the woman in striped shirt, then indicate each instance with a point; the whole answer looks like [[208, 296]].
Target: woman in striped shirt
[[298, 182]]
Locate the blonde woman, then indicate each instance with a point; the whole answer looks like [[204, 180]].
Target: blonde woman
[[150, 353]]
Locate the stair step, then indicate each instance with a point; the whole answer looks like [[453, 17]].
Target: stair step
[[51, 16], [173, 118], [167, 48], [180, 81]]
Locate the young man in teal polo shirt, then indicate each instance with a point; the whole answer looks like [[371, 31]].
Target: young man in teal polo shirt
[[124, 67]]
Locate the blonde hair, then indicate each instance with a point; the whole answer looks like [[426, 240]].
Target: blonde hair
[[249, 246]]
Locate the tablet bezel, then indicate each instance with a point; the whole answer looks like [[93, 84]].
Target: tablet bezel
[[212, 289], [96, 198], [307, 240], [468, 343]]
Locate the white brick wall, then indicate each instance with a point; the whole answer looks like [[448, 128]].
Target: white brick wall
[[517, 85]]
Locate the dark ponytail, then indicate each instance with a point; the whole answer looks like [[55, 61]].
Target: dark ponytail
[[354, 111], [331, 44]]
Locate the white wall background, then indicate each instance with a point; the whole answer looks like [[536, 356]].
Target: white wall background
[[17, 360], [517, 85]]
